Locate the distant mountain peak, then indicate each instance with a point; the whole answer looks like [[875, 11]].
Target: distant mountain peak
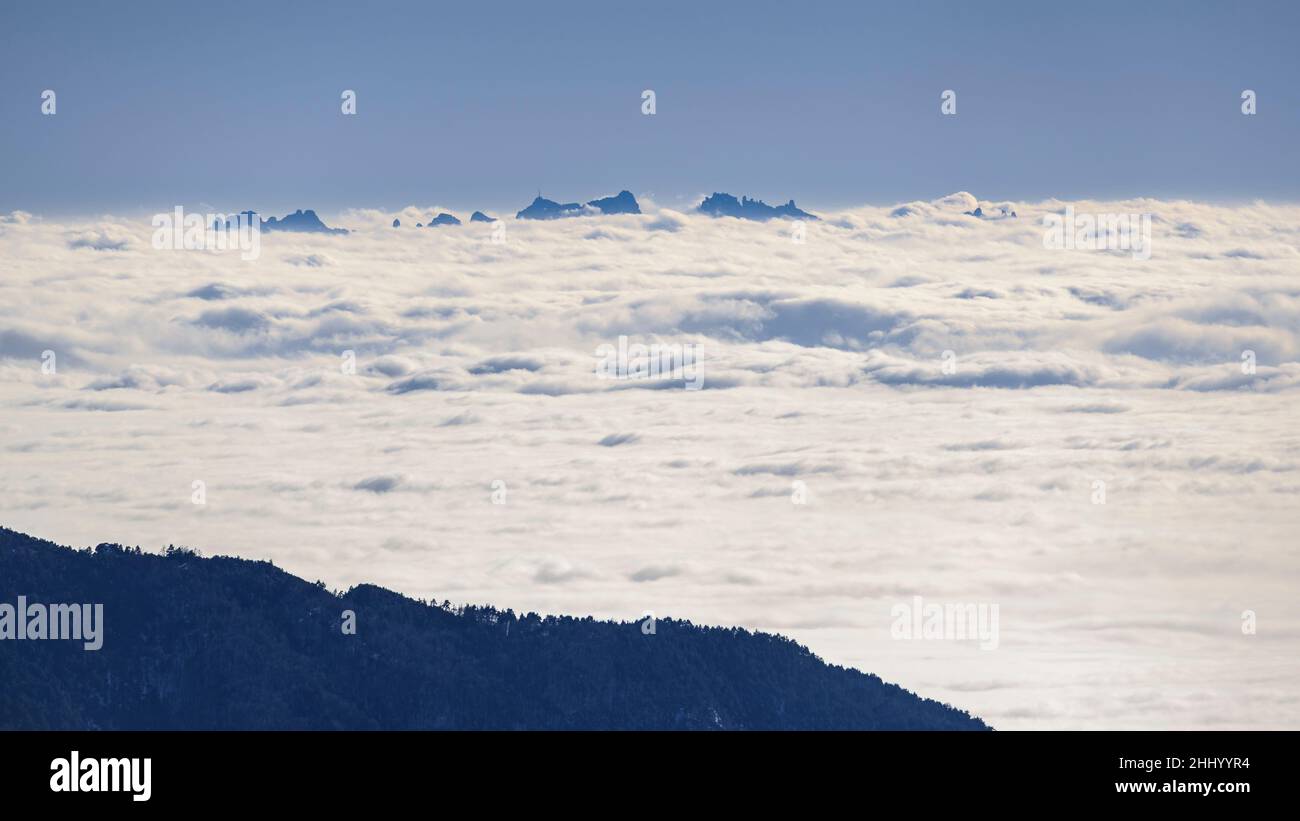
[[443, 219], [543, 209], [302, 222], [726, 205], [621, 203], [1002, 213]]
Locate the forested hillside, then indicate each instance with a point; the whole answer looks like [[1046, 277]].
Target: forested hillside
[[224, 643]]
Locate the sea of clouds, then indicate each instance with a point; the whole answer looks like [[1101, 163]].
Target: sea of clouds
[[823, 369]]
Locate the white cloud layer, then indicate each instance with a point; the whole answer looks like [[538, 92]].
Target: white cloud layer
[[823, 364]]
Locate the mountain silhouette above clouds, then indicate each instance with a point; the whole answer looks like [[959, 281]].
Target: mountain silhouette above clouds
[[725, 205], [301, 221], [543, 209]]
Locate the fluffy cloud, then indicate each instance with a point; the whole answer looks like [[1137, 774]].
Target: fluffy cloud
[[941, 391]]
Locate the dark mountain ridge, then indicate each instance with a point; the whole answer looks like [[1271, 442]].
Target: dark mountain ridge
[[227, 643], [302, 222], [543, 209], [725, 205]]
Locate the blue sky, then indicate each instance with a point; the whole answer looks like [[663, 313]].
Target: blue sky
[[471, 106]]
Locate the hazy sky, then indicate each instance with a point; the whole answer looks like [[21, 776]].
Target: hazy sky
[[480, 106]]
